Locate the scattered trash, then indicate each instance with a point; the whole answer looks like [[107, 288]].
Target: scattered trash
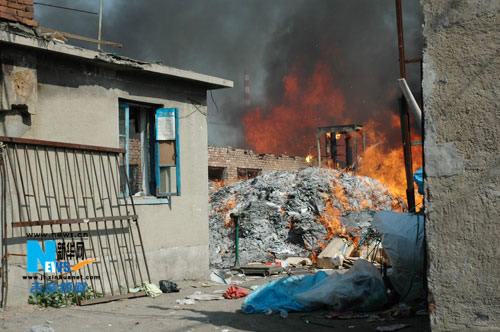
[[235, 292], [215, 276], [261, 269], [284, 314], [392, 327], [254, 287], [333, 250], [402, 239], [49, 322], [151, 289], [351, 326], [361, 288], [205, 297], [41, 328], [283, 210], [278, 294], [298, 261], [185, 301], [168, 286]]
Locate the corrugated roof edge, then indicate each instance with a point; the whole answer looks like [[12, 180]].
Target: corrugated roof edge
[[17, 34]]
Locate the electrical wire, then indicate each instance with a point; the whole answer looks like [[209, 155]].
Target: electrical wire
[[211, 95]]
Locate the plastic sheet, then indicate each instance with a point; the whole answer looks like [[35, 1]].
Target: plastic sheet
[[402, 239], [278, 295], [359, 289], [418, 177]]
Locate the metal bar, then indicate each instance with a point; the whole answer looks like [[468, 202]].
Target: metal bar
[[8, 139], [14, 178], [318, 148], [405, 117], [348, 151], [405, 132], [69, 221], [28, 212], [401, 42], [413, 60], [355, 143], [129, 224], [4, 228], [32, 182], [138, 228], [99, 35], [105, 225], [67, 8], [89, 178], [77, 212], [113, 298], [114, 225], [68, 210], [86, 210], [117, 195], [47, 201]]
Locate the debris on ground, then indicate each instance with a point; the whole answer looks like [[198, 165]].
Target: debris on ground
[[151, 289], [292, 213], [168, 286], [361, 288], [394, 327], [235, 292]]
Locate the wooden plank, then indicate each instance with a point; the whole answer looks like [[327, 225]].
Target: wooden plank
[[333, 248], [71, 221], [167, 153], [113, 298], [78, 37]]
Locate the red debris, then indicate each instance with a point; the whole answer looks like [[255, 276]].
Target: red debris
[[235, 292]]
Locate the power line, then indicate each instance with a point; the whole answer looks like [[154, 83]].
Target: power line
[[67, 8]]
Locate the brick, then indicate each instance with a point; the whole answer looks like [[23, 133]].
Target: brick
[[27, 21], [25, 14], [15, 5], [7, 10], [8, 16], [3, 3], [29, 9], [26, 2]]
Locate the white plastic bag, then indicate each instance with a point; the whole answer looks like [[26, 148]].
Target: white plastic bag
[[359, 289]]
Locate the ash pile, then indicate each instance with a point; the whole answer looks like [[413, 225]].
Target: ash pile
[[291, 213]]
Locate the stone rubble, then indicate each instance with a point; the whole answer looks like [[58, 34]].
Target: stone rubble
[[281, 213]]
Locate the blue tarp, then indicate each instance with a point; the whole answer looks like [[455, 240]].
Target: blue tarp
[[418, 177], [279, 295]]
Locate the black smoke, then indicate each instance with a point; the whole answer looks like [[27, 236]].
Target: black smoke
[[225, 38]]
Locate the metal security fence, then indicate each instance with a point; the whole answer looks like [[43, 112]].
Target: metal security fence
[[76, 195]]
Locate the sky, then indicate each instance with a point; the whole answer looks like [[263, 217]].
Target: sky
[[268, 39]]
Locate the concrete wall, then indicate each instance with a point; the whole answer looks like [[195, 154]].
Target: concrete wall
[[77, 102], [232, 159], [462, 162]]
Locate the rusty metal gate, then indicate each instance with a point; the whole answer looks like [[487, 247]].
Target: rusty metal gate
[[79, 196]]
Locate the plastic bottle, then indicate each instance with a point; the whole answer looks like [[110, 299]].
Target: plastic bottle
[[269, 311], [284, 314]]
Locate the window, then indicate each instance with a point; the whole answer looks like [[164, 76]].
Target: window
[[216, 173], [247, 173], [150, 137]]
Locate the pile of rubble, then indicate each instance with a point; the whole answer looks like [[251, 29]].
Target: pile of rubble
[[291, 213]]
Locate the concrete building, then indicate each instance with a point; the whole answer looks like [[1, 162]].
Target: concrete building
[[57, 92], [232, 164], [462, 164]]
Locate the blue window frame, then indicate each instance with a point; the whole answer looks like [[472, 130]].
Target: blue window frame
[[167, 152], [164, 153]]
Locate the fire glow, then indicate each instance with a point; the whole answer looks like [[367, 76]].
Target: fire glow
[[289, 125]]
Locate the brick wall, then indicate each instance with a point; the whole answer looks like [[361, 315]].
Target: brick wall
[[232, 159], [135, 164], [21, 11]]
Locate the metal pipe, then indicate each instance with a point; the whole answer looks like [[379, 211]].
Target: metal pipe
[[319, 149], [236, 220], [417, 113], [99, 37]]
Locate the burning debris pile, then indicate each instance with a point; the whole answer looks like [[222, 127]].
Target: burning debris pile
[[295, 213]]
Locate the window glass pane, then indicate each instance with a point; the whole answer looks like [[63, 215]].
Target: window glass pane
[[121, 121], [167, 180]]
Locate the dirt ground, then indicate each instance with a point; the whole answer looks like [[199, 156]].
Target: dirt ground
[[164, 314]]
